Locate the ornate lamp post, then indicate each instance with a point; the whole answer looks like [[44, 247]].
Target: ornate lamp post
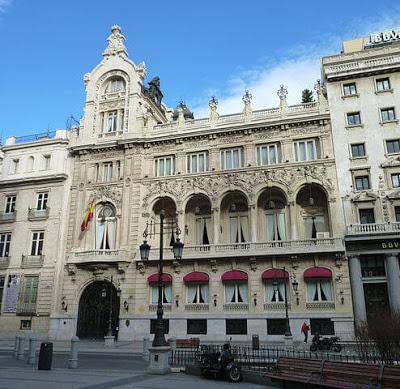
[[109, 335], [159, 350], [288, 332]]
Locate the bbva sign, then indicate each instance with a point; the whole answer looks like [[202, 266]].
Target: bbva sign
[[385, 36]]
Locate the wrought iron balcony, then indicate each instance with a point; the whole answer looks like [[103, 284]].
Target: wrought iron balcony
[[8, 217], [32, 261], [373, 228], [4, 262], [98, 256], [26, 309], [278, 247], [38, 214]]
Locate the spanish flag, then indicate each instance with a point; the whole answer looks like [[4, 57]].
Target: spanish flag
[[88, 216]]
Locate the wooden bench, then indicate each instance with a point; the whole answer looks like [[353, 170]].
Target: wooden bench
[[188, 343], [332, 374]]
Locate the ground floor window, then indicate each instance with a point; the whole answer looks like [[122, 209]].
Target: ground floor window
[[153, 326], [322, 326], [197, 327], [236, 326], [276, 326]]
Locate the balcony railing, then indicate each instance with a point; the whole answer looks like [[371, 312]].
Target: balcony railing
[[38, 214], [283, 247], [373, 228], [32, 260], [26, 309], [320, 305], [4, 262], [7, 217], [279, 306], [95, 256]]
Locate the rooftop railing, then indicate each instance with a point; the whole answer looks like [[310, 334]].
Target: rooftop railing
[[373, 228]]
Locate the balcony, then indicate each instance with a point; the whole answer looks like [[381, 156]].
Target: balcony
[[281, 247], [26, 309], [81, 257], [197, 307], [8, 217], [38, 214], [236, 306], [279, 306], [372, 228], [4, 262], [32, 261], [318, 305]]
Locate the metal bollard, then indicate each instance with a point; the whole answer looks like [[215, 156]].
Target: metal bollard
[[16, 344], [32, 350], [74, 355], [21, 348], [146, 353]]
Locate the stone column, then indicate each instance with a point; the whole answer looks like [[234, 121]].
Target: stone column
[[181, 223], [253, 221], [293, 220], [357, 289], [393, 280], [216, 224]]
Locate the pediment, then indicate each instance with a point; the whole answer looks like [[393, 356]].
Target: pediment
[[394, 194], [364, 196], [391, 162]]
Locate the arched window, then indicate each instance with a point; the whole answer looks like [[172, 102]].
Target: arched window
[[106, 226], [115, 85]]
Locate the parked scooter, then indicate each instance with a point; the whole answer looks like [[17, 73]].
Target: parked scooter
[[325, 344], [221, 364]]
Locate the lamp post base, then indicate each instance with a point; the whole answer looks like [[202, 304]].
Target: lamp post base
[[159, 360], [288, 339], [109, 341]]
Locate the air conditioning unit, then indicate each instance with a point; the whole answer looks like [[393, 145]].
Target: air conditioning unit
[[323, 235]]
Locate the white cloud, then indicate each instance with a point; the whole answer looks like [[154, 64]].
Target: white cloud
[[297, 69], [4, 4]]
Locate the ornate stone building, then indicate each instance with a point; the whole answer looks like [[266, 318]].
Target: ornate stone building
[[363, 87], [34, 190], [254, 194]]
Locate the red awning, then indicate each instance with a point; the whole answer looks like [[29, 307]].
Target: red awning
[[318, 272], [271, 274], [167, 278], [234, 275], [196, 277]]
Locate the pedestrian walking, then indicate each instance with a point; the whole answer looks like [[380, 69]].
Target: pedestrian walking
[[304, 329]]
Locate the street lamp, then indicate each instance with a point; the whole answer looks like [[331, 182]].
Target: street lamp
[[104, 294], [159, 333], [288, 332]]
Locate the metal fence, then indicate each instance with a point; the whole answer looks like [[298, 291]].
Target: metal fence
[[264, 359]]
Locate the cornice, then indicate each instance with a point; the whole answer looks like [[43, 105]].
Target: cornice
[[34, 180], [35, 144]]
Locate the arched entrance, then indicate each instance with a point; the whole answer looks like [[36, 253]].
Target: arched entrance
[[94, 310]]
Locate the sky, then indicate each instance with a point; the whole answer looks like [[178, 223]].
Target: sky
[[197, 48]]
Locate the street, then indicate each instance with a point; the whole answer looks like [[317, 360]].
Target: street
[[99, 371]]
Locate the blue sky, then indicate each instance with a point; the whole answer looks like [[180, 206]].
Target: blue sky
[[197, 48]]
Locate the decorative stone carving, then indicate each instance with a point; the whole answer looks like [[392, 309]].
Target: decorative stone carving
[[391, 162], [213, 186], [116, 43], [213, 104], [71, 270], [282, 93], [140, 266], [253, 264], [247, 97], [213, 265], [177, 266], [363, 196], [110, 193]]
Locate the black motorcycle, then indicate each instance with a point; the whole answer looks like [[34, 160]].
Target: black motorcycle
[[325, 344], [220, 364]]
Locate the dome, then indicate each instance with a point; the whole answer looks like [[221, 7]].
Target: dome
[[187, 114]]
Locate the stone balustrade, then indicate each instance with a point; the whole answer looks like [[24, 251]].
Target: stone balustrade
[[373, 228], [96, 256], [277, 247]]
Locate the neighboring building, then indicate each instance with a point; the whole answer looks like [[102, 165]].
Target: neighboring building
[[253, 193], [363, 88], [34, 190]]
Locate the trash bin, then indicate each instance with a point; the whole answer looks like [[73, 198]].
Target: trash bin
[[255, 342], [45, 356]]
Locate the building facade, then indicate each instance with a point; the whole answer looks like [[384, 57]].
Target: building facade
[[255, 197], [34, 190], [363, 88]]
